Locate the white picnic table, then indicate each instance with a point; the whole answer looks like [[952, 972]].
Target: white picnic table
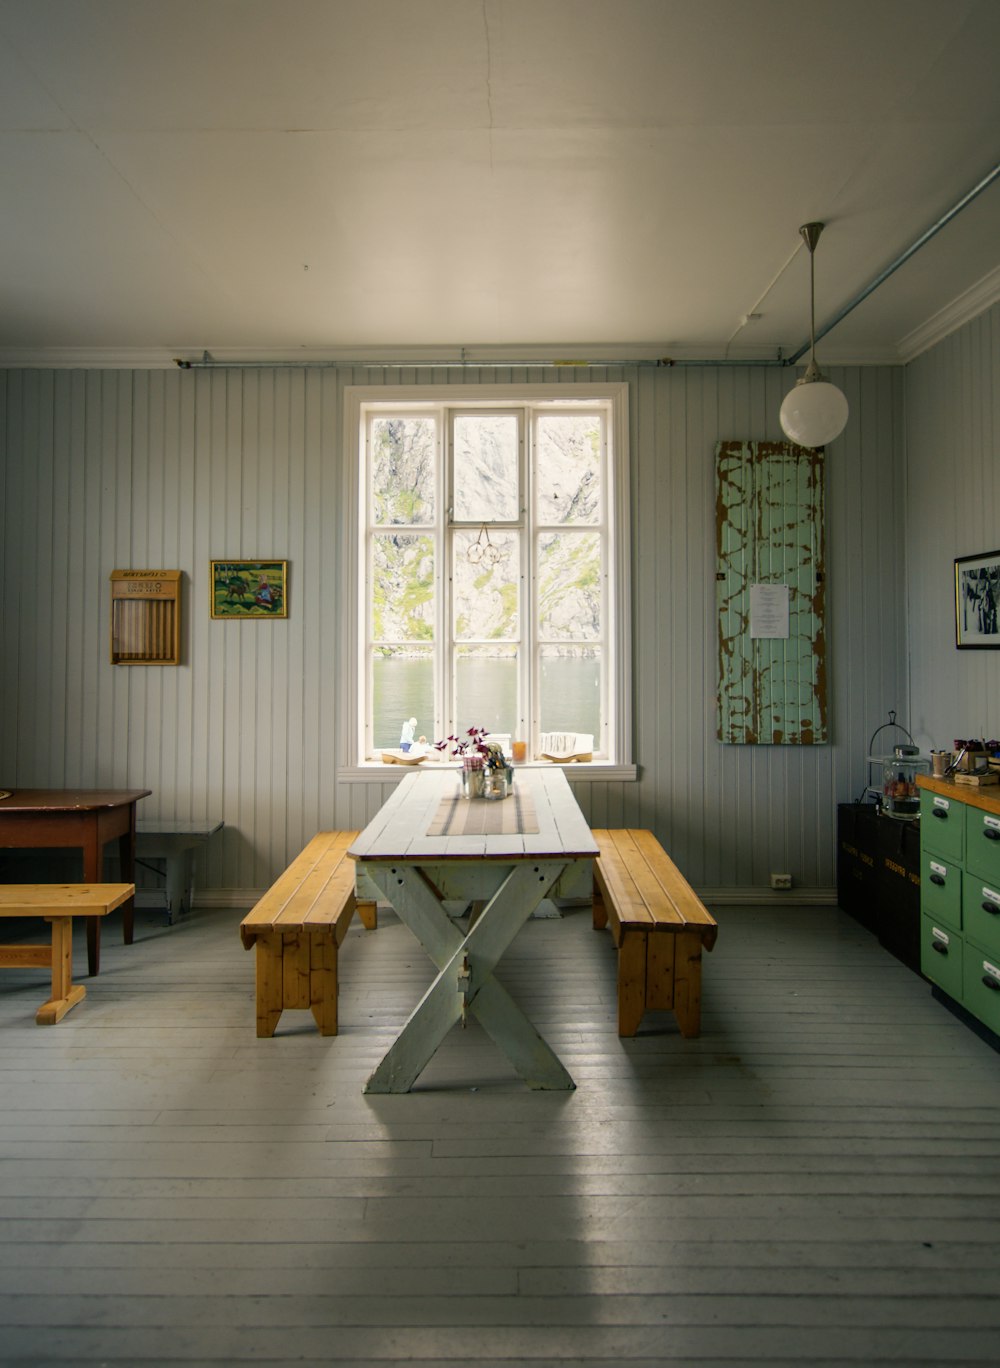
[[428, 846]]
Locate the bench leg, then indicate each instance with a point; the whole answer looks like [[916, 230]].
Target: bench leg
[[631, 981], [660, 965], [687, 983], [323, 983], [599, 909], [659, 972], [269, 998], [296, 970], [65, 994], [368, 912]]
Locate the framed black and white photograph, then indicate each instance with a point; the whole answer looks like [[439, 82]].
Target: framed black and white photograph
[[977, 596]]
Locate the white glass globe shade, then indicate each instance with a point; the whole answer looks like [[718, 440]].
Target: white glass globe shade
[[813, 413]]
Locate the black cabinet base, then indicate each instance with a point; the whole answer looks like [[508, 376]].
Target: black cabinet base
[[966, 1018], [878, 877]]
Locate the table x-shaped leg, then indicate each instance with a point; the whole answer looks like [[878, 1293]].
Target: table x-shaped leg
[[465, 981]]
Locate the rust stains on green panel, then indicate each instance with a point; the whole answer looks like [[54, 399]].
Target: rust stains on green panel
[[769, 517]]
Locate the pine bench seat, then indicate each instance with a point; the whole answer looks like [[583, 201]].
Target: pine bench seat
[[659, 926], [298, 927], [57, 904]]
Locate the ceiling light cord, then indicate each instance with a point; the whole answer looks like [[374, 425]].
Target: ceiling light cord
[[810, 236], [814, 412]]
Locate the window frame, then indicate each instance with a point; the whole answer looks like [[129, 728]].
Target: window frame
[[447, 400]]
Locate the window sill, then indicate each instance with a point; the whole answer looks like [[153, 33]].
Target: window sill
[[594, 771]]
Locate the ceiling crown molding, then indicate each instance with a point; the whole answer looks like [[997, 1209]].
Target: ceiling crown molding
[[976, 300], [967, 306]]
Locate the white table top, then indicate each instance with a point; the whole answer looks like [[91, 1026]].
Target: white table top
[[398, 831]]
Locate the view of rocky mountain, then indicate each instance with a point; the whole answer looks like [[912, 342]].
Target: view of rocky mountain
[[486, 562]]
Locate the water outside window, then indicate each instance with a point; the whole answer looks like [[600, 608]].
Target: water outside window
[[486, 688]]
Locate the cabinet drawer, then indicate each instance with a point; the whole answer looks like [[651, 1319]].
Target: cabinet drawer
[[982, 844], [981, 986], [941, 889], [941, 956], [981, 913], [942, 825]]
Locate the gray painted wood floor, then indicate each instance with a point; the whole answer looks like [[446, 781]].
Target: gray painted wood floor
[[813, 1181]]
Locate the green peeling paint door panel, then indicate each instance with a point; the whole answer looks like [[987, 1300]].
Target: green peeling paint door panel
[[770, 533]]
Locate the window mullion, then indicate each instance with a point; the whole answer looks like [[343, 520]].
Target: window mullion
[[529, 621], [449, 527]]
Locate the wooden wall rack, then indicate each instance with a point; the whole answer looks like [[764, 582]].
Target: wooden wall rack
[[145, 617]]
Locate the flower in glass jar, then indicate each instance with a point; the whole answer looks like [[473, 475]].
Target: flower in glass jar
[[473, 743]]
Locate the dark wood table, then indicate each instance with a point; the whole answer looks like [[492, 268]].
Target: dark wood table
[[82, 819]]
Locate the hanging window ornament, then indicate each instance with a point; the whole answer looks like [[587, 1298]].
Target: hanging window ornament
[[483, 550]]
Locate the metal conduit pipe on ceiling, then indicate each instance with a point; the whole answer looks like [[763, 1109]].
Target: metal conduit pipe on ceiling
[[663, 362], [656, 361], [895, 264]]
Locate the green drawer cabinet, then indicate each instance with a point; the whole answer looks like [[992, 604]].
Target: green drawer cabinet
[[981, 913], [981, 985], [941, 950], [941, 889], [942, 825], [960, 894], [982, 844]]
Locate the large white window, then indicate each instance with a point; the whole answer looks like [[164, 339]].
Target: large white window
[[491, 575]]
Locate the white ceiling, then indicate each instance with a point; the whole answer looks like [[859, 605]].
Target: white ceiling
[[304, 178]]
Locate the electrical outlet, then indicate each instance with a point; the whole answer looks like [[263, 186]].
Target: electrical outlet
[[781, 880]]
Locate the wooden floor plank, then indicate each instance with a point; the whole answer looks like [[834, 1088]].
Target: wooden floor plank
[[815, 1180]]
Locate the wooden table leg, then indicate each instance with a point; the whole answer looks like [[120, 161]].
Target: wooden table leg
[[532, 1057], [93, 871], [491, 1004], [126, 857], [465, 981]]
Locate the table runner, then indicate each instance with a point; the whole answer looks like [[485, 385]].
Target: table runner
[[511, 816]]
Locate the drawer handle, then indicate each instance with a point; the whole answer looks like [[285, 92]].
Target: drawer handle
[[938, 879], [991, 907], [941, 813], [939, 947], [990, 982], [991, 833]]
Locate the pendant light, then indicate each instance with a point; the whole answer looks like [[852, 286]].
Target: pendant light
[[815, 411]]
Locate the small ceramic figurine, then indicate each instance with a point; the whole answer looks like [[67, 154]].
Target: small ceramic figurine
[[406, 736]]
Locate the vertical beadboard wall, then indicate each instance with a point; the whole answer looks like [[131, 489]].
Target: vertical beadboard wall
[[953, 509], [168, 469]]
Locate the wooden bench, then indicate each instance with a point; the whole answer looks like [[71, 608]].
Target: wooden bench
[[659, 926], [298, 927], [57, 904]]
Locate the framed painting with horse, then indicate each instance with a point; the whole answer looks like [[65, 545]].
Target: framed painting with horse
[[249, 589]]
